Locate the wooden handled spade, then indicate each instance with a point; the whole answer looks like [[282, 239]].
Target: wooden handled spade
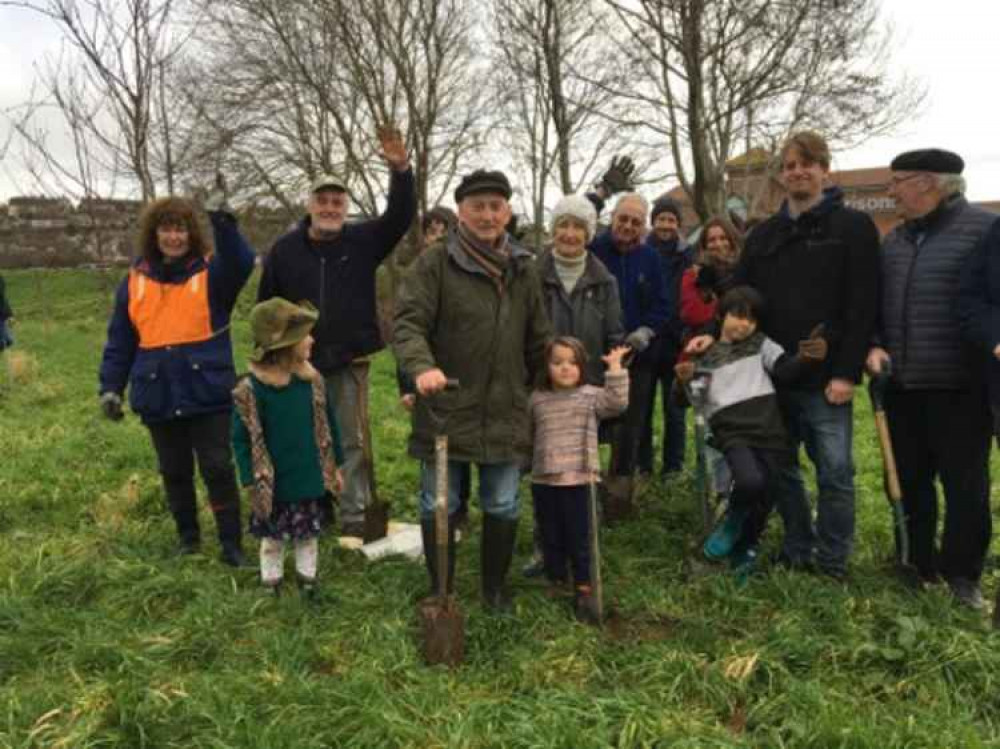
[[877, 386], [442, 622], [596, 583]]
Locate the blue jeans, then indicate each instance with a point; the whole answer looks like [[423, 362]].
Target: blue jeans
[[498, 483], [827, 432]]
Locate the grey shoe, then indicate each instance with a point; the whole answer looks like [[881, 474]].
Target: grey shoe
[[967, 593]]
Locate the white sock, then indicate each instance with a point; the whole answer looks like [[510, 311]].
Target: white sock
[[307, 558], [272, 560]]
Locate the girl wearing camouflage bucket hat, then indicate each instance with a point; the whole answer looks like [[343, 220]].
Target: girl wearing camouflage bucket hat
[[286, 441]]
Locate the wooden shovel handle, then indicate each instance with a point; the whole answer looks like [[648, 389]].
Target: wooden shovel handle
[[441, 511], [888, 458]]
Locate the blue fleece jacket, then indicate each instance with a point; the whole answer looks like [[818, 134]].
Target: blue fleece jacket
[[640, 282]]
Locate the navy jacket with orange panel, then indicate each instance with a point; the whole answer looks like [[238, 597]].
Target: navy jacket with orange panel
[[168, 338]]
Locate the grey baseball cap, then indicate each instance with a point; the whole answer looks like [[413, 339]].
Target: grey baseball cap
[[328, 181]]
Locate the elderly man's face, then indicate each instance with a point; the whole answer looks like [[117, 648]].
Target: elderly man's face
[[910, 190], [803, 179], [485, 216], [328, 210], [628, 224]]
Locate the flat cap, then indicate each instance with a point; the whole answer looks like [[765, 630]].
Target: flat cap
[[481, 181], [935, 160]]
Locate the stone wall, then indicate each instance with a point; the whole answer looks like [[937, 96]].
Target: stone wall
[[40, 232]]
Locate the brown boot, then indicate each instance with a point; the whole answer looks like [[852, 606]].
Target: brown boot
[[585, 606], [617, 499]]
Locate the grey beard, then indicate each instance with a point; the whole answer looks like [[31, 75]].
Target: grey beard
[[325, 234]]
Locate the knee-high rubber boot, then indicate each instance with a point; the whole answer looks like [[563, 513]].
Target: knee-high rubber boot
[[188, 532], [428, 530], [497, 552], [181, 502], [227, 522]]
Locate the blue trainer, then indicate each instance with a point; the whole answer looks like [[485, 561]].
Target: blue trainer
[[742, 564], [720, 544]]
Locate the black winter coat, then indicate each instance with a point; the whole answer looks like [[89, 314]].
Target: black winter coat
[[340, 278], [920, 325], [821, 267], [979, 303]]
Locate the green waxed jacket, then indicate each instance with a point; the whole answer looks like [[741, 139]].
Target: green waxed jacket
[[451, 315]]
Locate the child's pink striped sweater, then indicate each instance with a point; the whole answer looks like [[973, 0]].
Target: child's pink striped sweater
[[564, 423]]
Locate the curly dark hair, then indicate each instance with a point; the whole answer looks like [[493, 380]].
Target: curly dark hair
[[171, 211]]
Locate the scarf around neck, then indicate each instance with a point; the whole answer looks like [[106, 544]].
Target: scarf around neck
[[494, 259]]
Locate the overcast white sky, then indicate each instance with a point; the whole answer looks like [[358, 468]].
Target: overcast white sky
[[952, 47]]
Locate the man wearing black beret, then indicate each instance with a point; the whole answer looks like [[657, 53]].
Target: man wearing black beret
[[472, 309], [937, 405]]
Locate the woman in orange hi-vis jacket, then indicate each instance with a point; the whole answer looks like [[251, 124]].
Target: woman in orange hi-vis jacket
[[168, 341]]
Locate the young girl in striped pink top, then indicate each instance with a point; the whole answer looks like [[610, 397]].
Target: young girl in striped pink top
[[564, 415]]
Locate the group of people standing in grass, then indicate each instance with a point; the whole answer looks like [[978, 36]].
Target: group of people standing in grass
[[768, 335]]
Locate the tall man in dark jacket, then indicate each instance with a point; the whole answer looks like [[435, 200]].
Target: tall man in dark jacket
[[816, 263], [333, 264], [472, 309], [937, 406], [676, 257]]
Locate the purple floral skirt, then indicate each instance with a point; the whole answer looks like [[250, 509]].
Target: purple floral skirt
[[291, 521]]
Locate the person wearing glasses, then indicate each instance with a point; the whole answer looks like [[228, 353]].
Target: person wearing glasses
[[637, 269], [937, 404]]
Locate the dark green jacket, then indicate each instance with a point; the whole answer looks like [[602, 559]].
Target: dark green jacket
[[286, 418], [451, 315]]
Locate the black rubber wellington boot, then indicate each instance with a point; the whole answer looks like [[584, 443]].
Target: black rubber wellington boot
[[497, 553], [428, 529], [227, 522]]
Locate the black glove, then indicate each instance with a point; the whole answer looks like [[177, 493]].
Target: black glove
[[618, 178], [707, 279], [111, 406]]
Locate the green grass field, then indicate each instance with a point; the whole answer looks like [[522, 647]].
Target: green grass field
[[108, 640]]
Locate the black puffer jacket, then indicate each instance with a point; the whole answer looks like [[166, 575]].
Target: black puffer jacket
[[821, 267], [922, 264]]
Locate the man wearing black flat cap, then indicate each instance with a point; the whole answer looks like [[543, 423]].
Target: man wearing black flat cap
[[472, 309], [937, 405]]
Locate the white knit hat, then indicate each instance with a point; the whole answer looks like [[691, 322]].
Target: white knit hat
[[579, 208]]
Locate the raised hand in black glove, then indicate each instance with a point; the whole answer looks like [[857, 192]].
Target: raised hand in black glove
[[618, 178]]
